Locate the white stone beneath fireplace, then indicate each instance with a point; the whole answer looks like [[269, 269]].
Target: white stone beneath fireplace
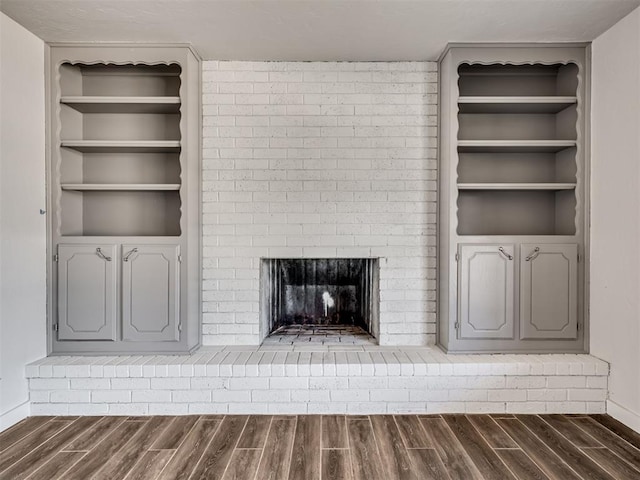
[[317, 379]]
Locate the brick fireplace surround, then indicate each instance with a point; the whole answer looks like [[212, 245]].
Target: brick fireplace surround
[[318, 160]]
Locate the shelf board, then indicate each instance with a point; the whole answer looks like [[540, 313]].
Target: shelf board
[[516, 186], [118, 187], [514, 146], [513, 104], [121, 146], [113, 104]]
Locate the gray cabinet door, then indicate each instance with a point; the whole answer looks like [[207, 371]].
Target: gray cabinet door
[[548, 291], [486, 286], [87, 307], [150, 292]]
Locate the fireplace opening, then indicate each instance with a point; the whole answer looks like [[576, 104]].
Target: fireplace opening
[[328, 300]]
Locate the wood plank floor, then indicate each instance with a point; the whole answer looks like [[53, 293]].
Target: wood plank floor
[[385, 447]]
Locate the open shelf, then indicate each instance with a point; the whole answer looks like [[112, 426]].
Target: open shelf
[[517, 80], [117, 146], [119, 80], [514, 104], [518, 126], [517, 146], [115, 187], [119, 104], [120, 211], [514, 146], [516, 212], [120, 171], [516, 186], [505, 167]]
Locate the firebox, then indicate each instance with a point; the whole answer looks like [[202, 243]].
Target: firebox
[[322, 292]]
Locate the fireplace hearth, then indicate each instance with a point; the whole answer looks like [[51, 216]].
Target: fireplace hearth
[[332, 297]]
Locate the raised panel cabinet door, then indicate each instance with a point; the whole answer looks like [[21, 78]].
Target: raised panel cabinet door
[[548, 291], [486, 291], [150, 293], [87, 278]]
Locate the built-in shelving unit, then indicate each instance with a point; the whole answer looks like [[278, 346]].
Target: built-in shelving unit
[[537, 118], [512, 196], [125, 136]]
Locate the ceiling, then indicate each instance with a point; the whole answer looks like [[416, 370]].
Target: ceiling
[[318, 29]]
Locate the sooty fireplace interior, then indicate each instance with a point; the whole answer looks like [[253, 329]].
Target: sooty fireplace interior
[[319, 291]]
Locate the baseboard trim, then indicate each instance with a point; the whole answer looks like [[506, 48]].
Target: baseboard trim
[[624, 415], [15, 415]]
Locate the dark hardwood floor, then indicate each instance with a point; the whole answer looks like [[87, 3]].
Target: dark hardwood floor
[[385, 447]]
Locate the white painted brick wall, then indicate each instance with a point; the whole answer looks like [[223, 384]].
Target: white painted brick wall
[[430, 382], [319, 159]]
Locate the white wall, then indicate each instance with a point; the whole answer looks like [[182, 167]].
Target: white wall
[[319, 160], [615, 213], [22, 228]]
